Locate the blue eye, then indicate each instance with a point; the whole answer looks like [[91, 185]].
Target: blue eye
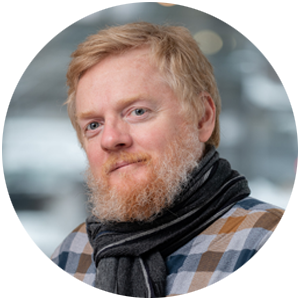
[[139, 111], [93, 126]]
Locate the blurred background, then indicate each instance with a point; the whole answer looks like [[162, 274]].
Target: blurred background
[[42, 160]]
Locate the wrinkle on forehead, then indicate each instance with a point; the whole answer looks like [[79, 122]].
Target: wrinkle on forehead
[[135, 64], [121, 79]]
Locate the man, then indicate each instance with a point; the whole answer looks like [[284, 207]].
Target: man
[[168, 216]]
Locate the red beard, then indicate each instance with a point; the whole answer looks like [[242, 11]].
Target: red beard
[[144, 199]]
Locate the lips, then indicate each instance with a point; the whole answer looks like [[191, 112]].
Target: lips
[[123, 164]]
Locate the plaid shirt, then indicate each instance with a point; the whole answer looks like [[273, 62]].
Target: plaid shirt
[[209, 257]]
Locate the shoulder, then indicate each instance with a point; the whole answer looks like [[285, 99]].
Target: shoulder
[[251, 205], [223, 247], [248, 217], [74, 255], [250, 213], [248, 224], [243, 229]]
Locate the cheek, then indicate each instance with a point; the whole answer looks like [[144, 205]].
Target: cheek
[[94, 157], [154, 141]]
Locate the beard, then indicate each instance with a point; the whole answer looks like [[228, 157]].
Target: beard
[[145, 199]]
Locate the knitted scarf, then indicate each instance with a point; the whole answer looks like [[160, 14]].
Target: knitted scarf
[[130, 257]]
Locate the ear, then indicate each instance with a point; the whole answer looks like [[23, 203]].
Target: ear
[[206, 123]]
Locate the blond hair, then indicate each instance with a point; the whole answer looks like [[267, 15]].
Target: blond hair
[[174, 51]]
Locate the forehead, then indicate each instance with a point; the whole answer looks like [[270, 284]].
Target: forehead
[[121, 76], [114, 68]]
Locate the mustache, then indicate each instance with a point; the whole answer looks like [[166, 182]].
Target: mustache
[[116, 160]]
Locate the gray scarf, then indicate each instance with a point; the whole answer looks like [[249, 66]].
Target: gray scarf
[[130, 257]]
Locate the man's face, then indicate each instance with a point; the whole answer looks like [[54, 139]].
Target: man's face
[[129, 118]]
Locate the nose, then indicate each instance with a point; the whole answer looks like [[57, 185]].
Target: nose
[[115, 136]]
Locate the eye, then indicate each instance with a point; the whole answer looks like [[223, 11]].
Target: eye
[[139, 111], [93, 126]]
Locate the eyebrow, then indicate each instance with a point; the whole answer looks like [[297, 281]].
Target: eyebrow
[[120, 103]]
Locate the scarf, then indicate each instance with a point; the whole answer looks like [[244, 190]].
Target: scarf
[[130, 256]]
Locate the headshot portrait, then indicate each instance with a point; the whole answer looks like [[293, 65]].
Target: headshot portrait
[[149, 150]]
